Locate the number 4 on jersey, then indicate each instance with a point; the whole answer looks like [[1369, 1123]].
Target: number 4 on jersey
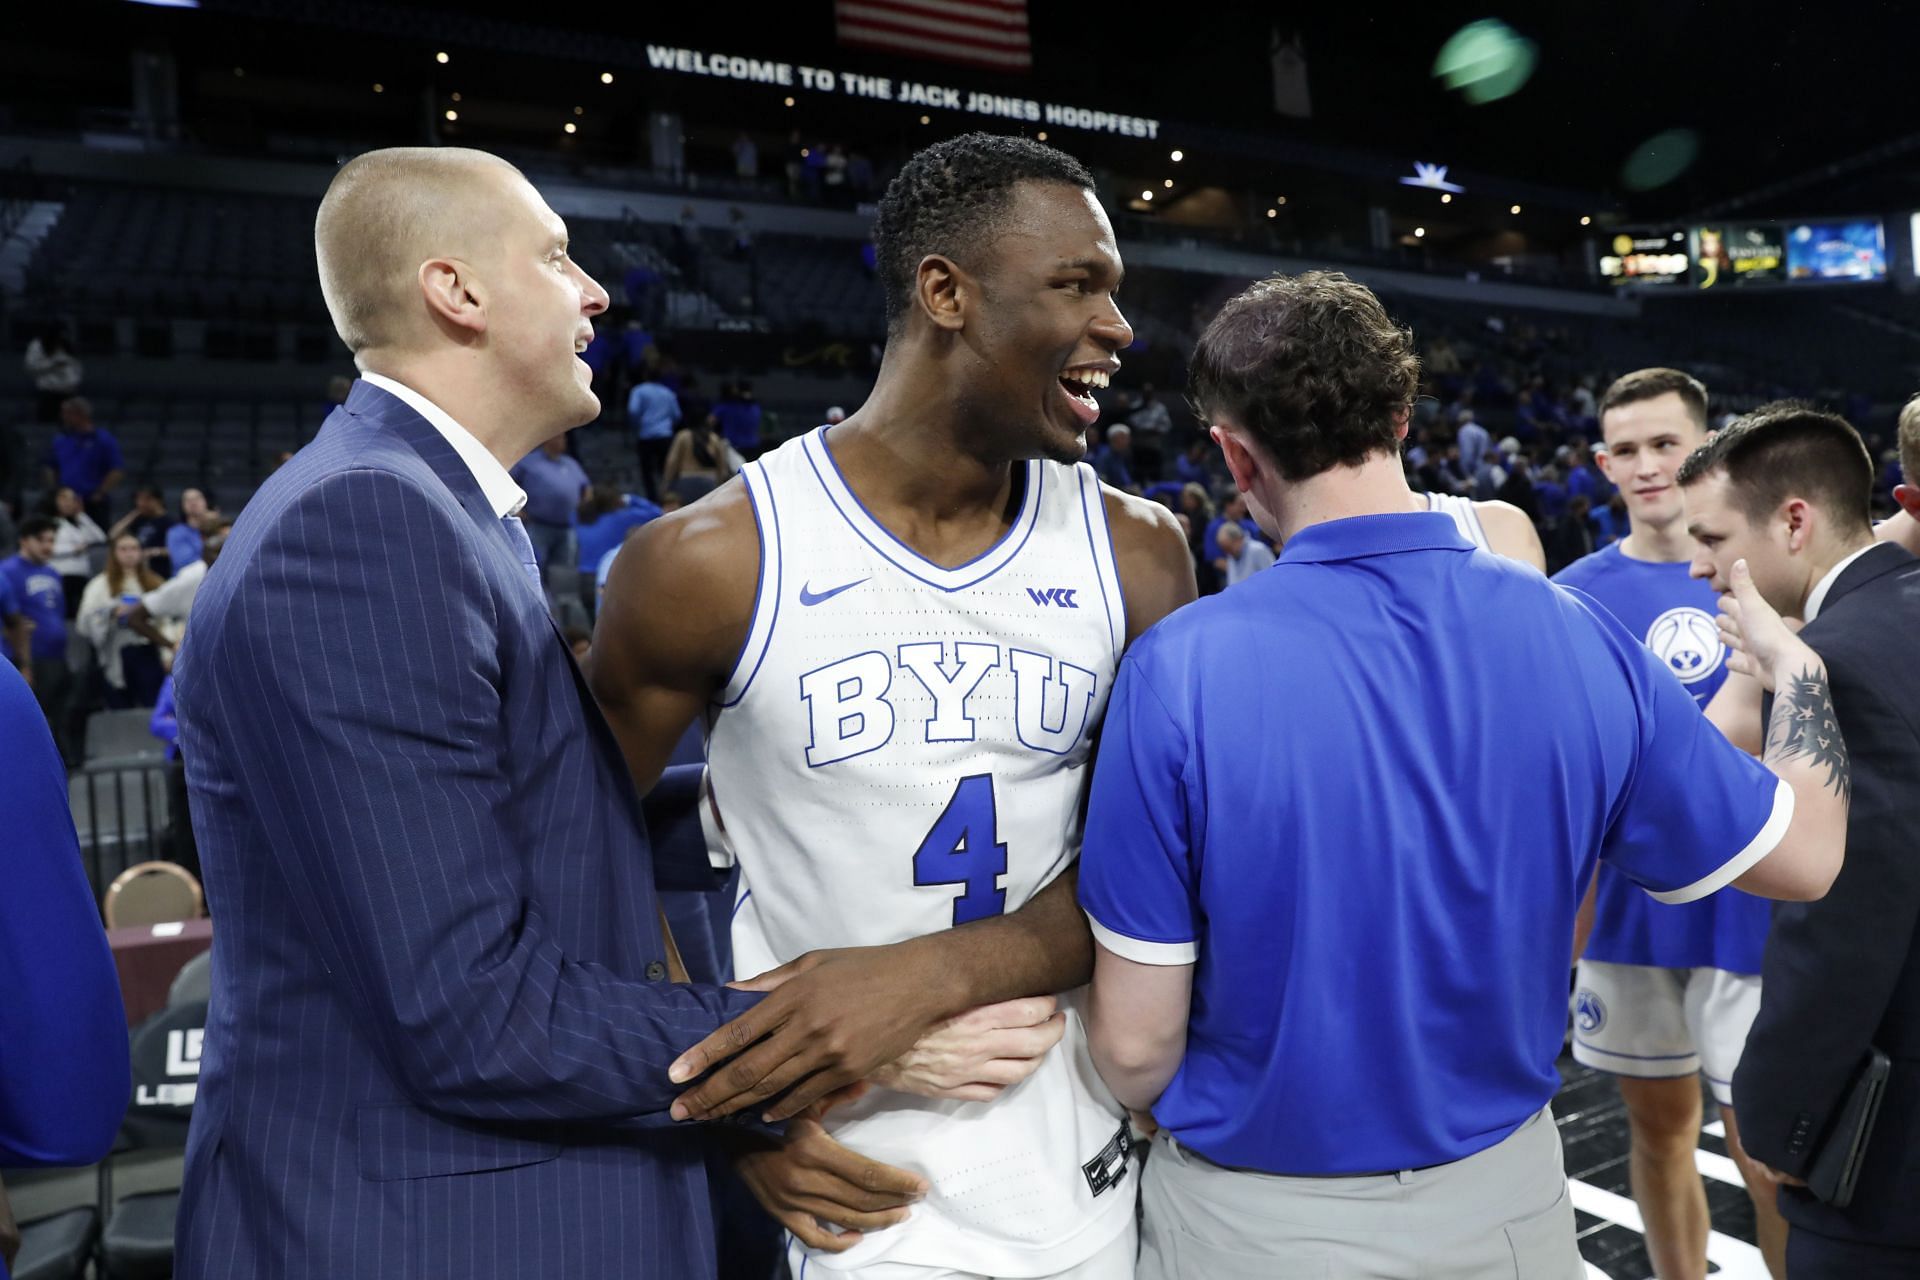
[[964, 848]]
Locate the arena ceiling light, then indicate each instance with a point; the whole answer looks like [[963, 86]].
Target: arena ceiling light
[[1419, 233], [1585, 220], [1178, 156], [452, 115], [571, 127], [1446, 198], [789, 101], [1168, 184], [1515, 209], [379, 88], [1147, 196], [1273, 213], [1042, 135], [926, 119], [606, 77], [442, 58], [579, 111]]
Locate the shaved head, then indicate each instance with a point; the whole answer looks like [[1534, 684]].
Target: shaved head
[[384, 214]]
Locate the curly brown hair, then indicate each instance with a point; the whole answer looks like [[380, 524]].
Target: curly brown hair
[[1312, 366]]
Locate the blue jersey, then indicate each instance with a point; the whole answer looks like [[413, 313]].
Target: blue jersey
[[1330, 790], [40, 596], [1673, 614]]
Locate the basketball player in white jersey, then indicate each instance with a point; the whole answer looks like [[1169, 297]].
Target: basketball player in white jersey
[[901, 631], [1499, 527]]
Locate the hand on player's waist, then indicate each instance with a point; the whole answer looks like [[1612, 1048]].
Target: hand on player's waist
[[977, 1055]]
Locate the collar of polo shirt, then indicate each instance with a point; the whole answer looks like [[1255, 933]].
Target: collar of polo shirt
[[1376, 535]]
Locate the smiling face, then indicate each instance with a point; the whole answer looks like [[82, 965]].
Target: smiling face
[[540, 306], [1043, 323], [1647, 440]]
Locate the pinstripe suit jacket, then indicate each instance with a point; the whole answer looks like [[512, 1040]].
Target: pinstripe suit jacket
[[439, 1031]]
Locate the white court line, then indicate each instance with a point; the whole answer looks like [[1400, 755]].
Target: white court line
[[1718, 1129], [1719, 1168], [1736, 1259], [1595, 1273]]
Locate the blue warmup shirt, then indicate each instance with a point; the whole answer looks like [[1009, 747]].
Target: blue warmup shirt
[[1334, 788], [1673, 613], [65, 1076], [41, 597]]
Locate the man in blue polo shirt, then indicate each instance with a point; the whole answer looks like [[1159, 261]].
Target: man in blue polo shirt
[[556, 484], [1333, 892], [1667, 994], [86, 459], [42, 601], [654, 411]]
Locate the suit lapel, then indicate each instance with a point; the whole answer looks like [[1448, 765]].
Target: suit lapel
[[1878, 561]]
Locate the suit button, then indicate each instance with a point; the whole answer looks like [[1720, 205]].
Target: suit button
[[656, 972]]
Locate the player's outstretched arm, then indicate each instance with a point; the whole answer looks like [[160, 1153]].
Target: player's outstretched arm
[[1511, 534]]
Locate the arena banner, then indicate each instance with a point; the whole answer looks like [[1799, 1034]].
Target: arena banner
[[1849, 249], [1732, 255], [1643, 258], [907, 93]]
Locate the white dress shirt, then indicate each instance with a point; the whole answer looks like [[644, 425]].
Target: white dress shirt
[[1818, 596], [501, 492]]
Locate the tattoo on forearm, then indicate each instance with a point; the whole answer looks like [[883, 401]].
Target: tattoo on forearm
[[1804, 726]]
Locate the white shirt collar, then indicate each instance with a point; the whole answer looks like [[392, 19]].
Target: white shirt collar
[[502, 494], [1818, 596]]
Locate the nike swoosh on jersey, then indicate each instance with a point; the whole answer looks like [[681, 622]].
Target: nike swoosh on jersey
[[808, 597]]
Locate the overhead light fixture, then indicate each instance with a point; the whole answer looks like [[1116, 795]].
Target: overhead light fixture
[[1168, 184], [1515, 209], [606, 77], [1281, 200], [579, 111], [239, 73], [1178, 156], [571, 127], [456, 97], [1147, 196], [379, 88], [1419, 232], [452, 115], [1446, 198], [789, 101], [926, 119], [1585, 220], [442, 58], [1042, 135], [1273, 213]]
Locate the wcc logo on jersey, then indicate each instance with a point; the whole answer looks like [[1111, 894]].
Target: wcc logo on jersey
[[1688, 642], [851, 711]]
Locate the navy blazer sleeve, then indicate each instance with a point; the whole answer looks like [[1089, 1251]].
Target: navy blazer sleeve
[[364, 702], [65, 1076], [1832, 965]]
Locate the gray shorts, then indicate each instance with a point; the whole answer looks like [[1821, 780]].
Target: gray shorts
[[1500, 1214]]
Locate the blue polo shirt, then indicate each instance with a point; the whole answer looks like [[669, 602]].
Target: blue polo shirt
[[553, 486], [41, 598], [82, 460], [1673, 613], [184, 543], [654, 410], [1334, 788]]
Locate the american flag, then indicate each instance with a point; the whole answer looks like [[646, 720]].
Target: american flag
[[979, 33]]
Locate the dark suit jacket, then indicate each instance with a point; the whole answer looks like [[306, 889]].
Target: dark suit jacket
[[1843, 973], [440, 1028]]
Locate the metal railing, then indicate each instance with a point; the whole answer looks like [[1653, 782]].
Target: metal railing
[[123, 814]]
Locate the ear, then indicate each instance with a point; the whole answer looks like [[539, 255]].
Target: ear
[[1242, 462], [943, 290], [1799, 518], [452, 295], [1908, 496], [1402, 417]]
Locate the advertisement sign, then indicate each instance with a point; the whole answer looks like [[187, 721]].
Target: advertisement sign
[[1855, 249], [1729, 255], [1647, 258]]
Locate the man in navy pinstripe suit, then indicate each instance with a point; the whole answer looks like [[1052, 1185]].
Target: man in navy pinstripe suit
[[442, 1015]]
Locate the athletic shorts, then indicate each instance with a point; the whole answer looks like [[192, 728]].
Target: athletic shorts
[[1637, 1020]]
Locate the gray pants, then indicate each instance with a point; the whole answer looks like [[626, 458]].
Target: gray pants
[[1501, 1214]]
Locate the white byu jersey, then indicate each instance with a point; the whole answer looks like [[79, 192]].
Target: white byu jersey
[[902, 748], [1465, 515]]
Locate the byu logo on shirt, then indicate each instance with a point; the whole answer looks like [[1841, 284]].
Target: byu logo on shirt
[[850, 714], [1687, 640]]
